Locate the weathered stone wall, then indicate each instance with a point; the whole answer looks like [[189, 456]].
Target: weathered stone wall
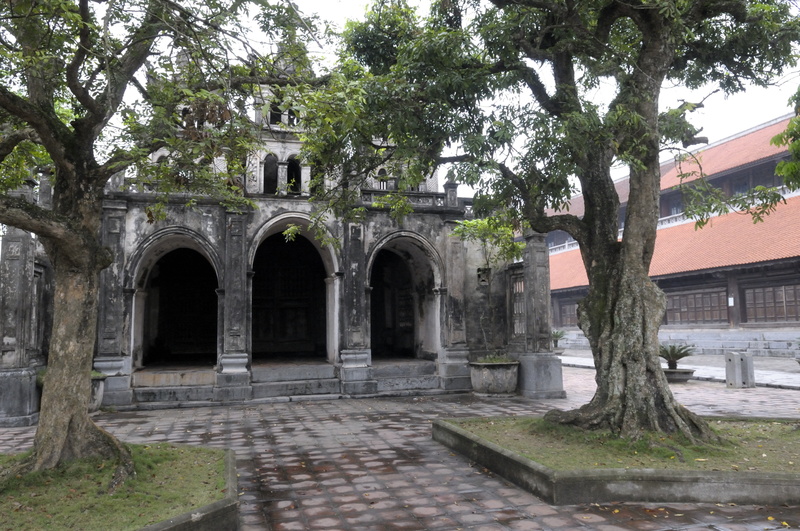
[[443, 298]]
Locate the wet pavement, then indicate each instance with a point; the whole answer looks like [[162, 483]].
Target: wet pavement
[[370, 464]]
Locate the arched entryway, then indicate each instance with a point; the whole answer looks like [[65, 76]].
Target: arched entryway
[[404, 306], [180, 313], [289, 300], [391, 307]]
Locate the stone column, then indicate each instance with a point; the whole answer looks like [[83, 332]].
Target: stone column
[[19, 396], [454, 361], [233, 375], [111, 357], [355, 371], [283, 178], [540, 369]]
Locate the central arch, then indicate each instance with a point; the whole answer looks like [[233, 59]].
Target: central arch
[[289, 300], [392, 314]]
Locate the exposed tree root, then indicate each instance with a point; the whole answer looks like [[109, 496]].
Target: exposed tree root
[[104, 445], [678, 421]]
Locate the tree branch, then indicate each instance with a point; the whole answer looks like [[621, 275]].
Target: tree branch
[[10, 141], [23, 214], [84, 45]]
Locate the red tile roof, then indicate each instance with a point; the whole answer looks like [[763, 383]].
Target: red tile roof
[[739, 151], [729, 240]]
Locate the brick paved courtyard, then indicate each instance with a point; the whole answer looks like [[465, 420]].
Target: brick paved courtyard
[[370, 464]]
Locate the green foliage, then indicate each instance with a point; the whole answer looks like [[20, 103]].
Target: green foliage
[[171, 480], [495, 237], [460, 87], [789, 169], [674, 353], [748, 445]]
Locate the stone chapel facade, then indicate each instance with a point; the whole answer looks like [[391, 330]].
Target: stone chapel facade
[[210, 306]]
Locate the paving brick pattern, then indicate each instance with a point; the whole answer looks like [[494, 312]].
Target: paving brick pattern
[[370, 464]]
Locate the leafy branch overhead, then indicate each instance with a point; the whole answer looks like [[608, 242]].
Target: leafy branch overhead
[[531, 101], [158, 95], [495, 237]]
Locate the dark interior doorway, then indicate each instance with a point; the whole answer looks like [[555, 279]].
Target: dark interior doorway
[[391, 308], [288, 300], [181, 311]]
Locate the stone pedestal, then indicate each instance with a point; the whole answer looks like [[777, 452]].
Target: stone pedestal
[[355, 373], [454, 370], [540, 376], [118, 369], [19, 397], [233, 380], [494, 379]]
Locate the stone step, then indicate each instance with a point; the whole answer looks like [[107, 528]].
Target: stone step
[[403, 368], [328, 386], [174, 377], [174, 394], [289, 372], [407, 383]]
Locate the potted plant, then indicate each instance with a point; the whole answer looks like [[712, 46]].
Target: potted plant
[[494, 375], [557, 335], [674, 353]]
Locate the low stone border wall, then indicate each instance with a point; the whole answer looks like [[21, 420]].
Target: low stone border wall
[[221, 515], [620, 485]]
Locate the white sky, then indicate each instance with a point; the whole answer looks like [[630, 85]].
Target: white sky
[[720, 118]]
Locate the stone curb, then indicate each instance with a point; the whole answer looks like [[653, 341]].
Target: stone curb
[[620, 485], [221, 515]]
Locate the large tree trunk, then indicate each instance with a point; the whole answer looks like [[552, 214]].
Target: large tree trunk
[[65, 430], [623, 310], [621, 317]]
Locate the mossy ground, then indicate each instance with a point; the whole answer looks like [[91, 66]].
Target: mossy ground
[[751, 445], [170, 480]]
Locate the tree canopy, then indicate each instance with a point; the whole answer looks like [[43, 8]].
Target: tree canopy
[[157, 94], [529, 98]]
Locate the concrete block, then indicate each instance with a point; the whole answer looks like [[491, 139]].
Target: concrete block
[[174, 377], [402, 384], [362, 387], [233, 380], [540, 376], [403, 369], [291, 372], [174, 394], [117, 383], [19, 397], [739, 371], [118, 398]]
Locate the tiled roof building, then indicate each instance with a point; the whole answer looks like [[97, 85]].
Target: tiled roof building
[[731, 274]]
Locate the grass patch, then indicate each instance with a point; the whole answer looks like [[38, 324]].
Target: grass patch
[[764, 446], [170, 480]]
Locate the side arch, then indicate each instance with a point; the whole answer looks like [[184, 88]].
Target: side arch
[[405, 273], [155, 246], [173, 281]]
